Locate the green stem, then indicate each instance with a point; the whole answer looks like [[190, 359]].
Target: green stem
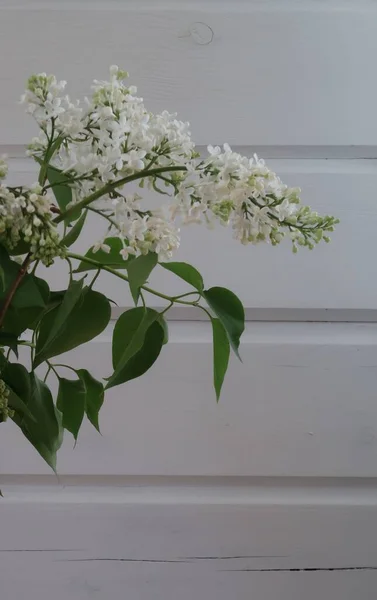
[[106, 189], [94, 278], [51, 366], [101, 214], [65, 367], [47, 373], [205, 310], [97, 264]]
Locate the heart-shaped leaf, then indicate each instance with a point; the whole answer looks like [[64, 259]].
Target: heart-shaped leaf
[[94, 396], [89, 317], [128, 338], [144, 358], [71, 403], [186, 272], [221, 351], [138, 271], [228, 308], [74, 233]]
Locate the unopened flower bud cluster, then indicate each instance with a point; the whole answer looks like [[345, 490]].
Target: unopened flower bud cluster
[[5, 411], [112, 136], [25, 216]]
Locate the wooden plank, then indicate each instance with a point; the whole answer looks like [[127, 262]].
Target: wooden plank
[[81, 550], [302, 403], [276, 73]]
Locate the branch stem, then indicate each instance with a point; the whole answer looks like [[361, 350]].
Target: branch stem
[[13, 288]]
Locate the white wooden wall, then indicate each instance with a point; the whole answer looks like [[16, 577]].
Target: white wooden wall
[[273, 493]]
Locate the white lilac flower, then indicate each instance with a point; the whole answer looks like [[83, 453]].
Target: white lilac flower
[[112, 136], [3, 168]]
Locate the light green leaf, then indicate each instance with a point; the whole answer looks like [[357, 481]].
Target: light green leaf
[[110, 259], [138, 271], [144, 358], [71, 403], [74, 233], [94, 396], [221, 351], [186, 272], [228, 308], [71, 297], [128, 338], [88, 319]]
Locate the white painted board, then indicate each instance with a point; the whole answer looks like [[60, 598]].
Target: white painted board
[[272, 73], [80, 550], [303, 403]]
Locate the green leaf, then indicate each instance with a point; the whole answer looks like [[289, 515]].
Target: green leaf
[[110, 259], [143, 359], [44, 430], [221, 351], [74, 233], [128, 338], [70, 299], [28, 293], [94, 396], [17, 379], [8, 339], [88, 319], [2, 279], [186, 272], [62, 191], [18, 320], [228, 308], [21, 247], [138, 271], [71, 403]]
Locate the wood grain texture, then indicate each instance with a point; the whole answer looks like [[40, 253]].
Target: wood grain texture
[[241, 72], [107, 550]]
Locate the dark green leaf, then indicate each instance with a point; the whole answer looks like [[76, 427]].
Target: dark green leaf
[[139, 363], [111, 259], [62, 191], [228, 308], [2, 279], [221, 351], [128, 338], [17, 379], [18, 320], [71, 403], [138, 271], [186, 272], [72, 296], [28, 293], [74, 233], [88, 319], [94, 396], [44, 430], [21, 247], [8, 339]]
